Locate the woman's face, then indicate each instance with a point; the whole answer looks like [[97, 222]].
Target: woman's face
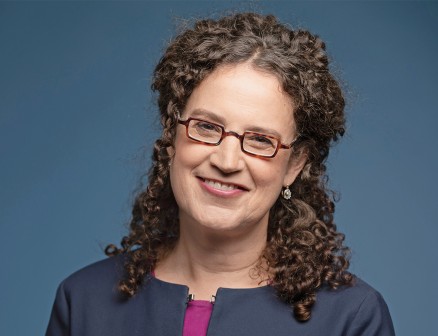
[[220, 188]]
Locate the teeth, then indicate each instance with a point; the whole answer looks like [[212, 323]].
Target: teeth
[[220, 186]]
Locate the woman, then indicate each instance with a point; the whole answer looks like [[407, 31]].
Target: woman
[[234, 234]]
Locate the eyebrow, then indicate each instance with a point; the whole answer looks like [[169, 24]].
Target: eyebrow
[[200, 112]]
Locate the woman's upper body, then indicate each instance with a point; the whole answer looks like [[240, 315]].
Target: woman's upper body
[[89, 304], [237, 195]]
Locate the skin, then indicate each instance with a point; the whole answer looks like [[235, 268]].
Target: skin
[[223, 232]]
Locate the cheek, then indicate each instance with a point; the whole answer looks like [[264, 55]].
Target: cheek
[[180, 149], [268, 175], [188, 154]]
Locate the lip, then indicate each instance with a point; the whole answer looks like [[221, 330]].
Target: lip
[[219, 192]]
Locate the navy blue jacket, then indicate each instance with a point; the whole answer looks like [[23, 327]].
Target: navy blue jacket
[[88, 304]]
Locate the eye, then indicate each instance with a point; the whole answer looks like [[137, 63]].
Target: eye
[[260, 141], [206, 126], [263, 139]]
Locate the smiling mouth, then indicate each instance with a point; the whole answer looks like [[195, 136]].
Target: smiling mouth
[[221, 185]]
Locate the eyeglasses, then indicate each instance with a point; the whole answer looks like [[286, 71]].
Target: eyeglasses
[[251, 143]]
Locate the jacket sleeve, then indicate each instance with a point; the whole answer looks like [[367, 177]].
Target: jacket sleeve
[[59, 323], [372, 318]]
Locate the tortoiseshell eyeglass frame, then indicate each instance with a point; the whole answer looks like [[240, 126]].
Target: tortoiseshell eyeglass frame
[[238, 136]]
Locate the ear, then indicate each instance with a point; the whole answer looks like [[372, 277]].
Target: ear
[[296, 164]]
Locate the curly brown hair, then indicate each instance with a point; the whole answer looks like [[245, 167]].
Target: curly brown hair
[[304, 250]]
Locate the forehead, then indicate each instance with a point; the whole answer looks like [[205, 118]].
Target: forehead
[[242, 97]]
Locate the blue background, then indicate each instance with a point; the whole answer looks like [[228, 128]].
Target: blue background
[[77, 122]]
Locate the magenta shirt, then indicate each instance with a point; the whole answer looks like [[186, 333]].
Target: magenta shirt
[[197, 316]]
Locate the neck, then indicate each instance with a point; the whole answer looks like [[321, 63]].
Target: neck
[[205, 260]]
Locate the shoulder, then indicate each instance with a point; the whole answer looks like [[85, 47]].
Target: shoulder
[[101, 276], [352, 295], [360, 307], [84, 296]]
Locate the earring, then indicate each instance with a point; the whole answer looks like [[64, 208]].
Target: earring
[[286, 193]]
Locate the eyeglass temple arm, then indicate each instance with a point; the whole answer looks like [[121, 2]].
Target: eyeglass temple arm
[[291, 144]]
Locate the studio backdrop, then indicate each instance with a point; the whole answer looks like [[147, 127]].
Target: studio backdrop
[[78, 120]]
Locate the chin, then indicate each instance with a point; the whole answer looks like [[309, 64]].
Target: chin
[[227, 225]]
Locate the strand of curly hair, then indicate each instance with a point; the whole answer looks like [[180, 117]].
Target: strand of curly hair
[[304, 251]]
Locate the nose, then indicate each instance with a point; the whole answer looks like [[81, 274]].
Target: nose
[[227, 156]]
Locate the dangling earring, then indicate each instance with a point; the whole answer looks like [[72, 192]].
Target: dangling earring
[[286, 193]]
